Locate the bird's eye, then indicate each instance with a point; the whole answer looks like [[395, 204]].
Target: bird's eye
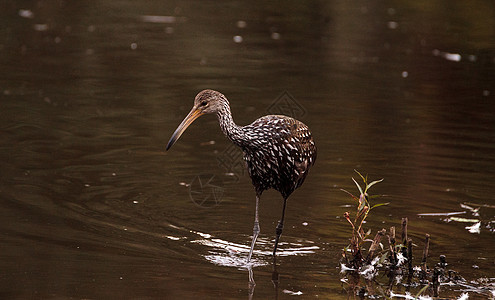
[[204, 103]]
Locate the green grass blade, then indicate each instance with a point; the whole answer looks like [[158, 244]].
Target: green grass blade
[[379, 204], [373, 183], [362, 177], [421, 291], [359, 188]]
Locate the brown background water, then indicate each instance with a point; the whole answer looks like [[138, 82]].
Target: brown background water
[[91, 206]]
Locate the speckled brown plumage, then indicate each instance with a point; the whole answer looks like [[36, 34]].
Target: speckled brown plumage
[[278, 150], [280, 155]]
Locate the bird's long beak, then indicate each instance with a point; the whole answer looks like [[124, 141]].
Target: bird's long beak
[[193, 115]]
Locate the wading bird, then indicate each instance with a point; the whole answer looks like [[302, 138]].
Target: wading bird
[[278, 150]]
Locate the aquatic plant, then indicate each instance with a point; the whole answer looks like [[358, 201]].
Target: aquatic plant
[[364, 268], [359, 236]]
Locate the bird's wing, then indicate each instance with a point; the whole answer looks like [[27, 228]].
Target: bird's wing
[[306, 148], [292, 139]]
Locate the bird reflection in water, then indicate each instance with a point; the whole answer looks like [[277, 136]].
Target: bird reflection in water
[[230, 254]]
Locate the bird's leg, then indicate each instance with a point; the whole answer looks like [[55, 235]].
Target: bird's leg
[[280, 227], [275, 275], [256, 228], [251, 284]]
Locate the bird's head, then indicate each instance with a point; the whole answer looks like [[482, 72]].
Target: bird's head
[[206, 102], [209, 101]]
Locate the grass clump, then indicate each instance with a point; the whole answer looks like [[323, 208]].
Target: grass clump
[[372, 270], [359, 236]]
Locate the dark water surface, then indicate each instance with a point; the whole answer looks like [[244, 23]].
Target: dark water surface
[[92, 207]]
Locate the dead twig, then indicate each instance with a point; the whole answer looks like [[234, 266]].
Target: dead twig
[[375, 245]]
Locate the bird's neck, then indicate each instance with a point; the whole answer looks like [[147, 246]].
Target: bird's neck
[[229, 127]]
